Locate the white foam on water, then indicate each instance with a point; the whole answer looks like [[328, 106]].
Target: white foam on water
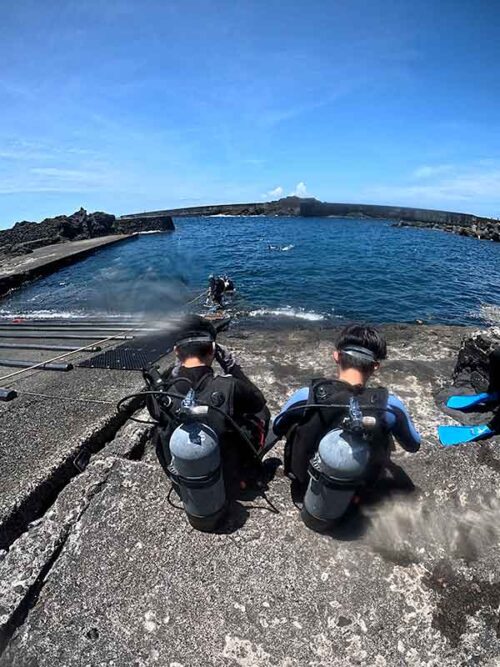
[[153, 231], [287, 312], [51, 315], [489, 313]]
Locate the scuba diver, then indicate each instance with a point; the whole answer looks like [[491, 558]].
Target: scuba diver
[[211, 427], [338, 432], [216, 289]]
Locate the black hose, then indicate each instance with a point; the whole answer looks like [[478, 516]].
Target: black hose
[[182, 397]]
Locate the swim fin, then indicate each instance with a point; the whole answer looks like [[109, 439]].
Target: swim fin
[[471, 401], [458, 435]]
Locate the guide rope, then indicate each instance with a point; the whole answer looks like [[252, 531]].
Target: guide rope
[[62, 356]]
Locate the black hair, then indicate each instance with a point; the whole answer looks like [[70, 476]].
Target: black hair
[[195, 326], [360, 336], [199, 350]]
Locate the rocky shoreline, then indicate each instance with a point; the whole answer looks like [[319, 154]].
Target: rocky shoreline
[[25, 237], [488, 230]]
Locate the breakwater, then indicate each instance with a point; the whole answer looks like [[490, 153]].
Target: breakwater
[[465, 224]]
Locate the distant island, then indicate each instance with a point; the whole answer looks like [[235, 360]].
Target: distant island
[[465, 224]]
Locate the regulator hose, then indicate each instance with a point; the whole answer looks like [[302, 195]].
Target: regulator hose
[[258, 455]]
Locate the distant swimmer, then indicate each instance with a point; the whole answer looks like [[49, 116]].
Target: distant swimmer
[[280, 248]]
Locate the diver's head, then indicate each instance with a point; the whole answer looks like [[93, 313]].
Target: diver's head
[[360, 349], [195, 342]]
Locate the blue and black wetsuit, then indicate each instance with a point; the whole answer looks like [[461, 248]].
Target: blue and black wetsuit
[[399, 422], [315, 410]]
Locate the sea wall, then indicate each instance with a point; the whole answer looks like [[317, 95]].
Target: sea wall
[[314, 208], [24, 237], [465, 224]]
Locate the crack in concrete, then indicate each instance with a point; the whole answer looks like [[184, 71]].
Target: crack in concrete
[[31, 595], [43, 496]]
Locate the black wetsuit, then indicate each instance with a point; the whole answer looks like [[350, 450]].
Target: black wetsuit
[[241, 400]]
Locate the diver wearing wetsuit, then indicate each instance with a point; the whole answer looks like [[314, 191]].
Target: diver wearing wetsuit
[[233, 394], [359, 351], [216, 288]]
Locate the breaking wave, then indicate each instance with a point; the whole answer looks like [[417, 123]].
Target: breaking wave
[[298, 313], [489, 313]]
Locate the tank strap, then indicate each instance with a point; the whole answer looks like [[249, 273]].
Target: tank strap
[[193, 482], [331, 483]]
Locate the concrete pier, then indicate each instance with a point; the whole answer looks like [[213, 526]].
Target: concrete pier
[[14, 271], [112, 574]]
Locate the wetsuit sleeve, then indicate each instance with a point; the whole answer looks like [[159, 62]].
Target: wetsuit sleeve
[[286, 418], [401, 425]]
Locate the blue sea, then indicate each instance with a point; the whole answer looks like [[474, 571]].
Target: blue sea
[[311, 269]]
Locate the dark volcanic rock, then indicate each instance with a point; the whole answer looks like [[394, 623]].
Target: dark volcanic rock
[[473, 364], [479, 228], [154, 223], [26, 236]]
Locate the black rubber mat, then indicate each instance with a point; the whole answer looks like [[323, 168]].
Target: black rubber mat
[[134, 354]]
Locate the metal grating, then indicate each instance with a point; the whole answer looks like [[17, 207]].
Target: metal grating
[[133, 355]]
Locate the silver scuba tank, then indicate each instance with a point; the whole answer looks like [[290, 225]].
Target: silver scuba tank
[[196, 468], [336, 470]]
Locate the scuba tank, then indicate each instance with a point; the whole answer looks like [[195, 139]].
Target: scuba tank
[[338, 469], [195, 467]]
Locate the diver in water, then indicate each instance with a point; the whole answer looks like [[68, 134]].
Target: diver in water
[[320, 444], [231, 394], [217, 287], [216, 290]]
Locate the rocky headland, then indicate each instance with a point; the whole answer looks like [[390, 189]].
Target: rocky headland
[[24, 237], [100, 566]]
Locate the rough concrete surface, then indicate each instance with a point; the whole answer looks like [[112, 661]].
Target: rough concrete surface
[[118, 577], [42, 434]]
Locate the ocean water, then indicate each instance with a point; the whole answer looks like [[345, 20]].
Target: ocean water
[[315, 269]]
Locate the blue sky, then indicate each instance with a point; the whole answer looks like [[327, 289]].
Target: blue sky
[[127, 106]]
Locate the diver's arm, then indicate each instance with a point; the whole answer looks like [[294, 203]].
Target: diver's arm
[[401, 425], [285, 419]]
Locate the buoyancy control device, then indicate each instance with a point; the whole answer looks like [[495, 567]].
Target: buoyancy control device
[[188, 441], [338, 469], [339, 444]]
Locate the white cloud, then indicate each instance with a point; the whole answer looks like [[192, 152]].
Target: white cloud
[[429, 171], [476, 183], [277, 192], [300, 190]]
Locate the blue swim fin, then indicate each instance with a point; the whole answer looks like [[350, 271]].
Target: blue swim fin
[[458, 435], [470, 401]]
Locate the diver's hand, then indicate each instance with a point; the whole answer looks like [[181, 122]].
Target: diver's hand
[[226, 360], [176, 368]]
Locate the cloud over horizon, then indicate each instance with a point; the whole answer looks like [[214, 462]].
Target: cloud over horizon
[[300, 190]]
